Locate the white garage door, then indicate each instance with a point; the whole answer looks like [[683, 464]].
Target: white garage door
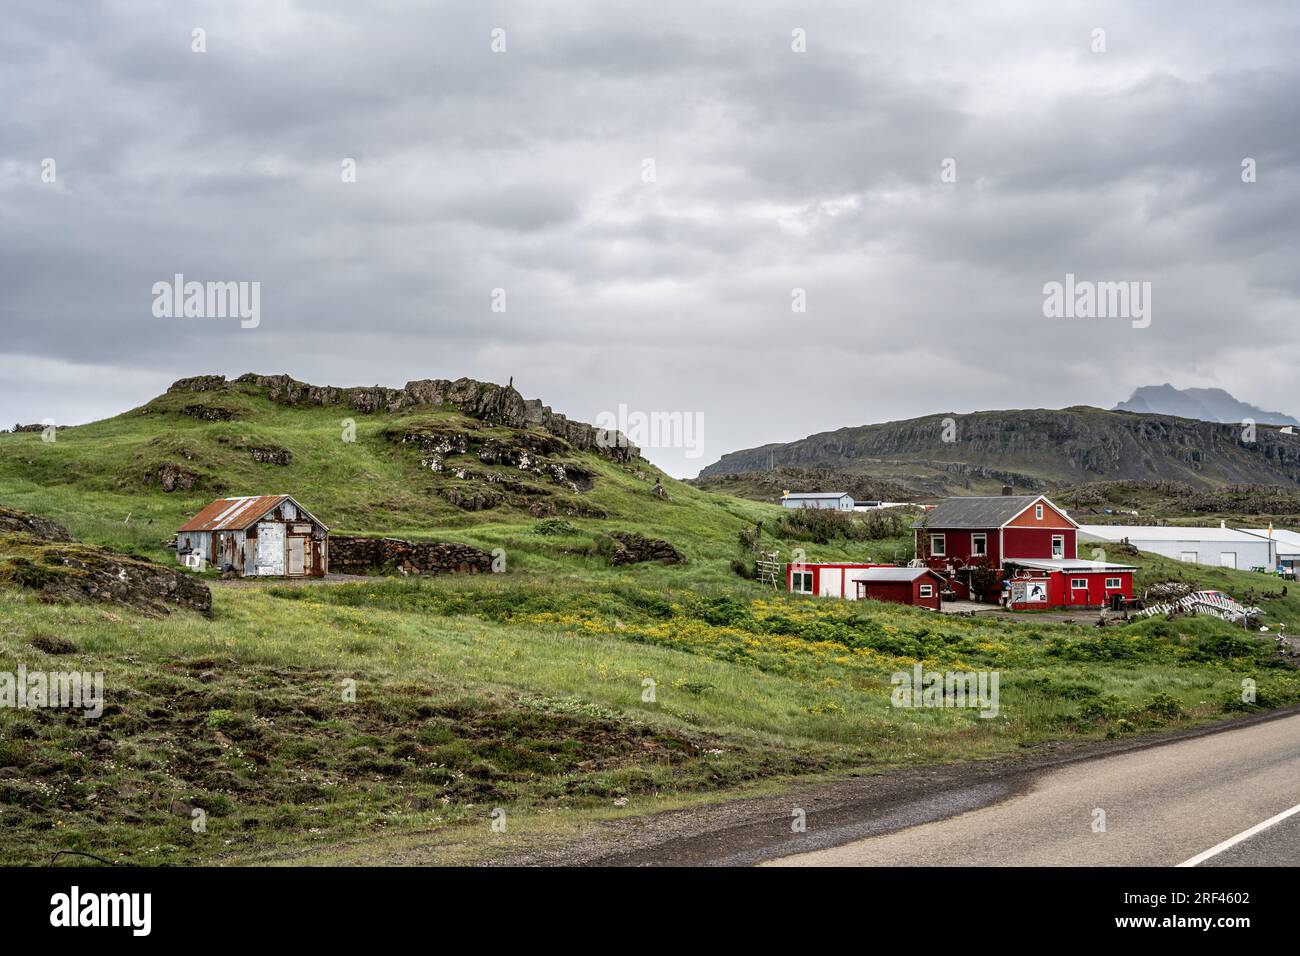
[[1228, 559]]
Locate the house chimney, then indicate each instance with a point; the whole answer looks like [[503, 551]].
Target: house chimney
[[1006, 491]]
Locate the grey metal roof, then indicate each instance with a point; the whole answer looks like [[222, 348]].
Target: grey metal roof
[[1069, 564], [1288, 542], [977, 512], [891, 574], [818, 494]]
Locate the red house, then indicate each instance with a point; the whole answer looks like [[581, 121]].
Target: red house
[[1012, 535]]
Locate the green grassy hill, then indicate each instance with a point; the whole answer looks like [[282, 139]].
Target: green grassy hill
[[564, 691], [107, 481]]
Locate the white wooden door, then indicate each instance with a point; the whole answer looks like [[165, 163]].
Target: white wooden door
[[297, 556]]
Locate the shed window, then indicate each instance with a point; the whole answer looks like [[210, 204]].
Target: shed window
[[938, 546], [1079, 584], [1058, 545], [979, 545], [1113, 583], [927, 590], [801, 582]]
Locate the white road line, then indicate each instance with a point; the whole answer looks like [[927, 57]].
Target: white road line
[[1243, 835]]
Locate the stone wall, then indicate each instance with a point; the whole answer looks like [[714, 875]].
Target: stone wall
[[356, 555]]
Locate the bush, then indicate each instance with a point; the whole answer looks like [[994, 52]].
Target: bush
[[743, 568], [554, 526], [821, 525], [1166, 706]]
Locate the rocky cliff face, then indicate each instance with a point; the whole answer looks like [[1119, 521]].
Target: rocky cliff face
[[1042, 447], [486, 401]]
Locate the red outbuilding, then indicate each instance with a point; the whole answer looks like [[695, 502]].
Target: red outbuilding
[[1035, 585], [919, 586], [825, 580]]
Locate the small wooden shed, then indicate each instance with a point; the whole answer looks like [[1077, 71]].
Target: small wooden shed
[[262, 535], [918, 586]]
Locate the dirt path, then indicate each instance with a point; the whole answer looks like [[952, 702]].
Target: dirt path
[[245, 583]]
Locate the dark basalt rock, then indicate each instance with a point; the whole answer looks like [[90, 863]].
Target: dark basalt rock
[[271, 455], [14, 521], [632, 548], [171, 477], [40, 555]]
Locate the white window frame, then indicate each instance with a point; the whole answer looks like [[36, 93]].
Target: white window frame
[[984, 540], [1113, 583], [795, 582], [927, 590], [1055, 552], [942, 551], [1078, 584], [1038, 512]]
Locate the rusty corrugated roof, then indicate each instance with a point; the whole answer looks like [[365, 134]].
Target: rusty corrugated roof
[[232, 514]]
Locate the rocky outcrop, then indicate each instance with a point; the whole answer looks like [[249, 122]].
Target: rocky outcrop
[[39, 555], [171, 477], [271, 455], [358, 555], [209, 413], [486, 401], [632, 548], [13, 521], [199, 383]]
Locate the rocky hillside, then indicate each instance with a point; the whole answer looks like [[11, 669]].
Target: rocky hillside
[[1035, 449]]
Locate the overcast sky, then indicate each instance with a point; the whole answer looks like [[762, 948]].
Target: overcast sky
[[773, 170]]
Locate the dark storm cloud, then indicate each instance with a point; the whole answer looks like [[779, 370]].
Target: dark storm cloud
[[773, 170]]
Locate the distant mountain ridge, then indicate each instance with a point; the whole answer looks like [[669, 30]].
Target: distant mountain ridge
[[1204, 404], [1035, 449]]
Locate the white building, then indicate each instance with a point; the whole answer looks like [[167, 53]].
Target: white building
[[1221, 547], [829, 500], [1286, 543]]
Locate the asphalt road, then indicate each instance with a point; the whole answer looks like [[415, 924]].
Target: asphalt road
[[1163, 806]]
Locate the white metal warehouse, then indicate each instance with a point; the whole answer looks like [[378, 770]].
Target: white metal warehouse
[[1220, 547]]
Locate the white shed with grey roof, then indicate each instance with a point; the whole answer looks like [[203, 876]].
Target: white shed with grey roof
[[826, 500]]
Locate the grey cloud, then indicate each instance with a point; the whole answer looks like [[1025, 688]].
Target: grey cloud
[[774, 170]]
